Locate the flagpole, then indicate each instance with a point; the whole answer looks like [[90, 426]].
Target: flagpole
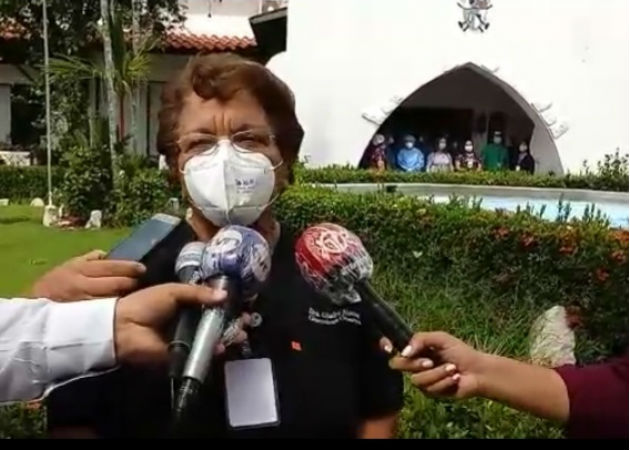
[[47, 89]]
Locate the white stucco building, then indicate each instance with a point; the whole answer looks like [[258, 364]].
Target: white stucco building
[[553, 71]]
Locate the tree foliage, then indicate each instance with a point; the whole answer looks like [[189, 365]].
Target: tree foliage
[[73, 26]]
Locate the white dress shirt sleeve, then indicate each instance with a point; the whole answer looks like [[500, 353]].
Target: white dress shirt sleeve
[[43, 343]]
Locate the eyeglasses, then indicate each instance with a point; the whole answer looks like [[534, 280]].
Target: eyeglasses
[[254, 140]]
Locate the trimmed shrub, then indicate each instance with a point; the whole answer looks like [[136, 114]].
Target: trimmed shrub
[[508, 259], [140, 194], [609, 181], [22, 184]]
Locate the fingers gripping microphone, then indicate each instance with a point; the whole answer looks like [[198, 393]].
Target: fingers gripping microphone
[[335, 263], [188, 270], [238, 261]]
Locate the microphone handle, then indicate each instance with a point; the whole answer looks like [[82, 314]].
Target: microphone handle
[[387, 319], [207, 337], [187, 321], [180, 345]]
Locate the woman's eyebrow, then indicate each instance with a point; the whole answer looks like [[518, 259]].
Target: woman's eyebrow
[[249, 126]]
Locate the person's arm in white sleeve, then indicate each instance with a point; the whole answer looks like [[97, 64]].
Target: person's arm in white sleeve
[[44, 342]]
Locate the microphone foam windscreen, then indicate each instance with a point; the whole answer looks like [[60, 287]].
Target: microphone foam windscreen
[[332, 260], [238, 252], [190, 256]]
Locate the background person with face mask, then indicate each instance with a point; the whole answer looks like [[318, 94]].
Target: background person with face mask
[[495, 156], [440, 160], [376, 153], [524, 160], [410, 158], [468, 161], [230, 134]]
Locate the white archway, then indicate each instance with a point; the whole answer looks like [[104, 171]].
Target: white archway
[[473, 87]]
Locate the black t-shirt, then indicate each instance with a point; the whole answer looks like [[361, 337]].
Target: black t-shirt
[[330, 373]]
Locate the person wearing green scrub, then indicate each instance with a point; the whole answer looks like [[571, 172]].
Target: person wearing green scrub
[[495, 156]]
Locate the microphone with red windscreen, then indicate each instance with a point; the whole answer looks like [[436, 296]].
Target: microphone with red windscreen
[[335, 263]]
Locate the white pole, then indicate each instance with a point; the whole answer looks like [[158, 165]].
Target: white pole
[[47, 86]]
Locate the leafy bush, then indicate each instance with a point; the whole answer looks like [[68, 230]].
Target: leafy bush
[[140, 194], [511, 260], [87, 179], [612, 175], [22, 184]]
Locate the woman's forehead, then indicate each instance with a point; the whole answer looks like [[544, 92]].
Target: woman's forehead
[[240, 112]]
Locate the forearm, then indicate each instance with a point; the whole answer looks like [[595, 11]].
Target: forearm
[[380, 428], [44, 342], [525, 387]]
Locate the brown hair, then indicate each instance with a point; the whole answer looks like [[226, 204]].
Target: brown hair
[[221, 76]]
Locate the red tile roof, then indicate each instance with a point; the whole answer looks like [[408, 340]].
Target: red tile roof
[[176, 40], [186, 40]]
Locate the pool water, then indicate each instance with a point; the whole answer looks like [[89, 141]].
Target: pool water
[[615, 212]]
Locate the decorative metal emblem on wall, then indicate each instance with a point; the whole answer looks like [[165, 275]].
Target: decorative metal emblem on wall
[[475, 15]]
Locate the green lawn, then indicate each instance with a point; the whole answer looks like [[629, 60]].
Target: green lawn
[[28, 249]]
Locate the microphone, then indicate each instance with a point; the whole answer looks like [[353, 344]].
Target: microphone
[[188, 270], [237, 260], [336, 264]]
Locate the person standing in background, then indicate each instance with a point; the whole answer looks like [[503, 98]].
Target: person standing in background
[[440, 160], [410, 158], [524, 160], [374, 156], [494, 156], [468, 161]]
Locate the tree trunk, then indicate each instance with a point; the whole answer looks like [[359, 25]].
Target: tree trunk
[[136, 11], [112, 98], [122, 131]]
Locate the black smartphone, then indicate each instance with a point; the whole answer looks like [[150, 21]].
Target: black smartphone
[[145, 238]]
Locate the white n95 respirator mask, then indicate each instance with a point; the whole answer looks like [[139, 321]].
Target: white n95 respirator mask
[[230, 185]]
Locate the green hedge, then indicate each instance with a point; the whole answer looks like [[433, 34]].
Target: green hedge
[[509, 260], [339, 174], [26, 183]]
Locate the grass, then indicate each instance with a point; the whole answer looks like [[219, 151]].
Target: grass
[[472, 312], [487, 321], [29, 250]]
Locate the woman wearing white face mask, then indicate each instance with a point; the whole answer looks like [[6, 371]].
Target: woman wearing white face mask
[[231, 137], [440, 160], [524, 160], [468, 161]]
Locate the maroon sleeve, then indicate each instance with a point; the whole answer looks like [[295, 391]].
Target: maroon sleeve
[[598, 397]]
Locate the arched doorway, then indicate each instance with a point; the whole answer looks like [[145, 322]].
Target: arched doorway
[[470, 102]]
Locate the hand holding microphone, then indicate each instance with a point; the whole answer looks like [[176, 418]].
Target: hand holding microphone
[[335, 263], [237, 261], [188, 270]]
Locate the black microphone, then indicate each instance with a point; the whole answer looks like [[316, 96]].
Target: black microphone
[[238, 261], [335, 263], [188, 270]]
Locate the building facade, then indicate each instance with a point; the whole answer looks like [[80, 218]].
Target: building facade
[[554, 72]]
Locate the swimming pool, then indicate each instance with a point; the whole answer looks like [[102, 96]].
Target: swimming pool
[[617, 213], [613, 205]]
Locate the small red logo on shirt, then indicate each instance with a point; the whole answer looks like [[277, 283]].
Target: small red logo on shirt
[[296, 346]]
